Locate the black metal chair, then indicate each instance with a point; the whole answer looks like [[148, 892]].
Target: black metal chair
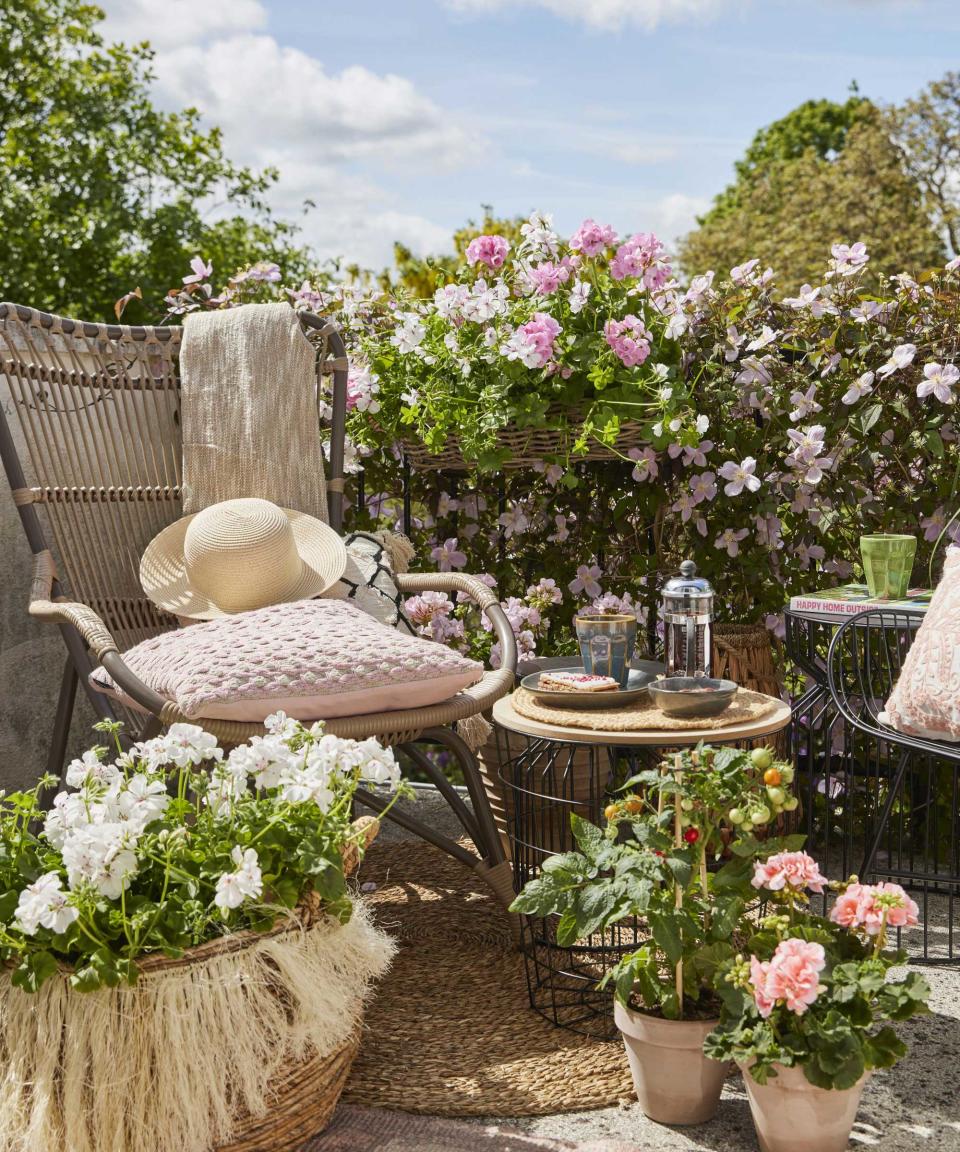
[[864, 662]]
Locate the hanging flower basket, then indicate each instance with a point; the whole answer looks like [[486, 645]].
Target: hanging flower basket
[[526, 446]]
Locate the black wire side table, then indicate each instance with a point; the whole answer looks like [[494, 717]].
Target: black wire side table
[[549, 772], [881, 808]]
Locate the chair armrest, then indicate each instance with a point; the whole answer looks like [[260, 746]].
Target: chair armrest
[[96, 635], [413, 582]]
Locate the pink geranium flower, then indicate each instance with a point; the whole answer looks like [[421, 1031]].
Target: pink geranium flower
[[592, 238], [791, 977], [641, 256], [862, 906], [548, 276], [629, 339], [794, 870], [532, 343], [489, 250]]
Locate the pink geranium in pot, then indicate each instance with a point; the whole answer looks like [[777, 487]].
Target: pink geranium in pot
[[804, 1010]]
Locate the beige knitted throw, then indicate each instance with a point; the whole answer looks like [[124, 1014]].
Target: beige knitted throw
[[249, 410]]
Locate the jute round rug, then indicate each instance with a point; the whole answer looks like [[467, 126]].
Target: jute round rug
[[451, 1031]]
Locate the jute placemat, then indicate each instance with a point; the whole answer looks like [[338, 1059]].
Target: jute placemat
[[450, 1031], [643, 716]]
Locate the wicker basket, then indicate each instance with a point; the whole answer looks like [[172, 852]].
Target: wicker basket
[[526, 445], [304, 1101], [303, 1094], [748, 654]]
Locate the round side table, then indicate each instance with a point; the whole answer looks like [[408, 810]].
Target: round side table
[[548, 772]]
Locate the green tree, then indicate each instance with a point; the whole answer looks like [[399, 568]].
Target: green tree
[[101, 191], [789, 211], [820, 125], [928, 130]]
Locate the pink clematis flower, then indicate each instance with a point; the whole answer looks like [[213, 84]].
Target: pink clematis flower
[[939, 380], [587, 580], [489, 250], [201, 271], [448, 556], [646, 463], [740, 476], [791, 977], [794, 870], [730, 540]]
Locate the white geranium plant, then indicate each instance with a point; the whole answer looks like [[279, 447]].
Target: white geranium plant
[[172, 842]]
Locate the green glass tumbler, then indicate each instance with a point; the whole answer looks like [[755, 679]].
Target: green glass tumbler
[[888, 564]]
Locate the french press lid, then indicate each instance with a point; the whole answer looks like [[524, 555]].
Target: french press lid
[[688, 585]]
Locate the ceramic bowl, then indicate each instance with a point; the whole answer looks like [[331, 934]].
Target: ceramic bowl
[[692, 695]]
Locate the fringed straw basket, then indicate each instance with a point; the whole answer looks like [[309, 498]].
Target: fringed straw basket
[[242, 1044]]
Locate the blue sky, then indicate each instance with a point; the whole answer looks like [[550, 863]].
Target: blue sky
[[400, 119]]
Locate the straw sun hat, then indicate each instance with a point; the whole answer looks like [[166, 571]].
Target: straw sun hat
[[239, 555]]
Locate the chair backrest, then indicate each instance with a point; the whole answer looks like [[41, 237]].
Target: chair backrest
[[94, 455]]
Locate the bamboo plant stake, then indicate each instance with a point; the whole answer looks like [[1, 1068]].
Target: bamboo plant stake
[[677, 890]]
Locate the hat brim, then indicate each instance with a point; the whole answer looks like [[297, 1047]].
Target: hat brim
[[163, 570]]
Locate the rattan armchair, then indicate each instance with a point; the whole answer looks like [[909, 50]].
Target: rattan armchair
[[98, 411]]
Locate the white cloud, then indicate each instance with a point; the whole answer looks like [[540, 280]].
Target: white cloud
[[606, 15], [334, 136], [262, 94], [673, 215], [177, 22]]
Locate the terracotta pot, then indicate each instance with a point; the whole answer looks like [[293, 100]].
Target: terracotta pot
[[792, 1115], [675, 1083]]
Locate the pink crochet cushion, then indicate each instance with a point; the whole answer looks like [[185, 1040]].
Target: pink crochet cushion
[[925, 701], [314, 659]]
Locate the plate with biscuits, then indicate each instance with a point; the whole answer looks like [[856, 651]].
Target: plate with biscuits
[[575, 688]]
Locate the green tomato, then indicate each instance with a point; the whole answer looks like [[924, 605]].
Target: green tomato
[[735, 815], [776, 796], [786, 774], [791, 804], [746, 826], [760, 814], [762, 758], [686, 805]]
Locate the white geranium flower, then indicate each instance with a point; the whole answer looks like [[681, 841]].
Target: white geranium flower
[[102, 855], [409, 334], [142, 799], [379, 764], [578, 296], [43, 904], [246, 883], [188, 744], [91, 769]]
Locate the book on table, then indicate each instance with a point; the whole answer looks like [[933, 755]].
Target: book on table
[[849, 599]]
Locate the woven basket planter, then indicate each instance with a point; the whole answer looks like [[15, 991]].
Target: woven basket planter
[[748, 654], [525, 446], [242, 1044]]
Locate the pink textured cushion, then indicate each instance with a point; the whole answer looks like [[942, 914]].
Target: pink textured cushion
[[926, 699], [314, 659]]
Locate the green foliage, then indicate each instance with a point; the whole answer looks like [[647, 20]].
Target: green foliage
[[788, 208], [101, 191]]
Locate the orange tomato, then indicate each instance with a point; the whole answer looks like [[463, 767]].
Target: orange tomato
[[611, 811], [772, 777]]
